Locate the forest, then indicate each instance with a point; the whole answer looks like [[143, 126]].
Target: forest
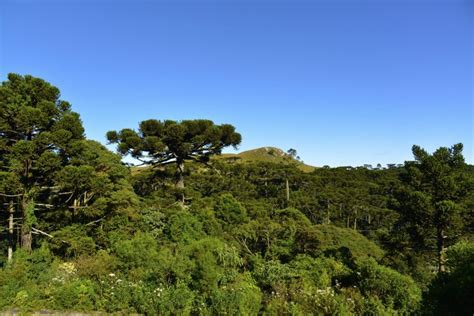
[[187, 230]]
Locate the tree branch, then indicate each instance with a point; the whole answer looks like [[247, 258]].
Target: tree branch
[[35, 230], [96, 221], [11, 195]]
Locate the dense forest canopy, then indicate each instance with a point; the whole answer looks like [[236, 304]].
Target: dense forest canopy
[[80, 230]]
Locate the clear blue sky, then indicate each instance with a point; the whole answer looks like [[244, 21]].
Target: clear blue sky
[[343, 82]]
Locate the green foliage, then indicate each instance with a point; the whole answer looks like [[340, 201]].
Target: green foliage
[[29, 214], [37, 131], [73, 241], [264, 237], [75, 294], [303, 287], [341, 242], [430, 201], [394, 290], [229, 210], [162, 142], [96, 266], [240, 297], [22, 282], [168, 139], [450, 293], [175, 300], [137, 253], [183, 227], [460, 255]]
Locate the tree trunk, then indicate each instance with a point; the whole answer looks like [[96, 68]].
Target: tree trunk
[[287, 190], [26, 239], [328, 212], [441, 250], [180, 181], [355, 219], [75, 205], [26, 236], [10, 231]]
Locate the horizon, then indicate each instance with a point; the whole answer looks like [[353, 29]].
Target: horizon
[[343, 83]]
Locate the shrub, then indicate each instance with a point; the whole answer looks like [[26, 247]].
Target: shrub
[[393, 289]]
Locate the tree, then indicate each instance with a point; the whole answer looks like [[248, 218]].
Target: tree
[[429, 203], [450, 293], [395, 290], [95, 190], [158, 143], [292, 152], [37, 132]]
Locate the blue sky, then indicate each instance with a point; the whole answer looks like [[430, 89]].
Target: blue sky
[[344, 82]]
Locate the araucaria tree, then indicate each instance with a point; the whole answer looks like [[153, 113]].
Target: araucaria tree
[[37, 132], [170, 142], [430, 204]]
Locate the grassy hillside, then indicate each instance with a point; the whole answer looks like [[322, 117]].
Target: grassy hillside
[[266, 154], [263, 154]]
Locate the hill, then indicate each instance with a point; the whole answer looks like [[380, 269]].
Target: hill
[[266, 154], [262, 154]]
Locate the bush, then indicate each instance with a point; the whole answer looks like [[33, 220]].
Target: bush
[[342, 243], [393, 289], [241, 296], [138, 254]]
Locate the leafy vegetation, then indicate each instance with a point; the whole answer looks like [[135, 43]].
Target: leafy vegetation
[[256, 234]]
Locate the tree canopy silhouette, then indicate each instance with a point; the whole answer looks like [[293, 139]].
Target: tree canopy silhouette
[[164, 142]]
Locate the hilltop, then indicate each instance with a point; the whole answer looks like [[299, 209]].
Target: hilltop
[[266, 154], [262, 154]]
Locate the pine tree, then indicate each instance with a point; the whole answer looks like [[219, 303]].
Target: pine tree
[[430, 203], [159, 143], [37, 133]]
